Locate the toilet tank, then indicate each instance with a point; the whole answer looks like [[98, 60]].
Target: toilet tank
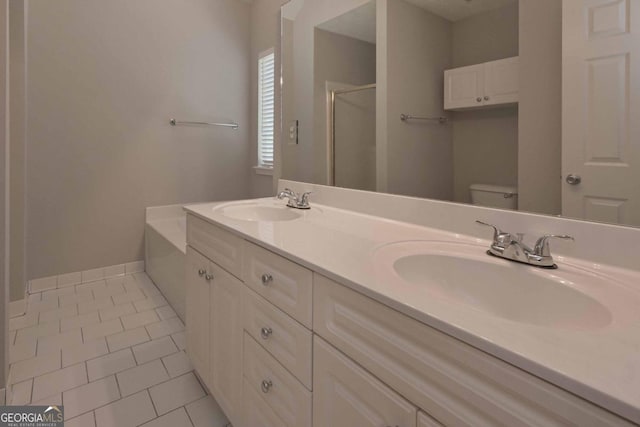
[[494, 196]]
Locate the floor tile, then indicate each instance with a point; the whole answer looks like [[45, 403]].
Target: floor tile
[[59, 381], [78, 322], [83, 352], [165, 327], [86, 420], [134, 267], [55, 293], [154, 350], [128, 412], [29, 319], [43, 284], [43, 305], [60, 313], [117, 311], [69, 279], [206, 413], [141, 377], [110, 364], [175, 393], [180, 338], [21, 393], [91, 286], [37, 331], [52, 343], [132, 321], [176, 418], [113, 289], [177, 364], [130, 284], [103, 329], [17, 308], [95, 305], [90, 396], [128, 297], [77, 298], [35, 366], [56, 399], [25, 349], [165, 312], [127, 339], [150, 303], [12, 337]]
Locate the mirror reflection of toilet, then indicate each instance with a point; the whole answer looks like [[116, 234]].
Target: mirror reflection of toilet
[[494, 196]]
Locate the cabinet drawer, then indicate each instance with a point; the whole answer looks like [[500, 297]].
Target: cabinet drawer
[[345, 395], [256, 411], [284, 283], [456, 383], [285, 395], [220, 246], [287, 340], [425, 420]]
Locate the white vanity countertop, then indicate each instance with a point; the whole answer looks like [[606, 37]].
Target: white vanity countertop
[[600, 365]]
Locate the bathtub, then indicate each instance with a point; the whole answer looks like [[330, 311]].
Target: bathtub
[[165, 239]]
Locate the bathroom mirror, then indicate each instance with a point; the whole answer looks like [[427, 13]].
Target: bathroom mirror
[[502, 103]]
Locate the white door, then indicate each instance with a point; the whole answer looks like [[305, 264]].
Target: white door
[[226, 342], [197, 311], [464, 87], [502, 81], [345, 395], [601, 110]]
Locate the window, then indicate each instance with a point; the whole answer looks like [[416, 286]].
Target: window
[[266, 108]]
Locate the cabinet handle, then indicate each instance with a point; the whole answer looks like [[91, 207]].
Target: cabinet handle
[[266, 386], [486, 98], [479, 99], [209, 277], [266, 279], [201, 272], [265, 333]]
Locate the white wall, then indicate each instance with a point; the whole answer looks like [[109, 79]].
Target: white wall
[[485, 142], [103, 79], [540, 127], [414, 49]]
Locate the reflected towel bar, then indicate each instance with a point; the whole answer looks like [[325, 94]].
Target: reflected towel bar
[[406, 117], [174, 122]]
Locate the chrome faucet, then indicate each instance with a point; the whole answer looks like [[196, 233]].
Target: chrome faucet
[[295, 201], [512, 247]]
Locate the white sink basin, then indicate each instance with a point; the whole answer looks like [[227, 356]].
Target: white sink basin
[[254, 211], [568, 298]]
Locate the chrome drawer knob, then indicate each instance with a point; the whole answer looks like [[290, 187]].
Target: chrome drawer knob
[[201, 272], [486, 98], [266, 279], [479, 99], [266, 386], [265, 333], [209, 277]]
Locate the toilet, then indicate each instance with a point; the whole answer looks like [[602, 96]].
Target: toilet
[[494, 196]]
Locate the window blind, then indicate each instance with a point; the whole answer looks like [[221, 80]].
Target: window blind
[[266, 108]]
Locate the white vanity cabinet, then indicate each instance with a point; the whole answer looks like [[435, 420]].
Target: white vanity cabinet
[[197, 311], [490, 84]]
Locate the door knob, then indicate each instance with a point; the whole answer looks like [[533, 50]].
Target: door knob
[[574, 179]]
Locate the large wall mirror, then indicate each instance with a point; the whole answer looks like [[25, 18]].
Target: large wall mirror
[[531, 105]]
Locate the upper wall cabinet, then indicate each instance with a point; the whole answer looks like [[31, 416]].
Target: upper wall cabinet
[[482, 85]]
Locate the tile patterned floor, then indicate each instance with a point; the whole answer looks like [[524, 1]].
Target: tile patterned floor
[[112, 351]]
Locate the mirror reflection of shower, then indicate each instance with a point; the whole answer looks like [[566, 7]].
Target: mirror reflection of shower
[[353, 136]]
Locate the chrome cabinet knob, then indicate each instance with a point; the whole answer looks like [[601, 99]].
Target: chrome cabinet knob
[[266, 386], [574, 179], [266, 279], [479, 99], [209, 277], [265, 333], [486, 98], [201, 272]]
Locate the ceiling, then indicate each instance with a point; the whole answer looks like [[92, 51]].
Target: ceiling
[[358, 23], [456, 10]]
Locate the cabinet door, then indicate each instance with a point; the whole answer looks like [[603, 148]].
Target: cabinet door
[[197, 312], [464, 87], [226, 342], [256, 411], [501, 81], [425, 420], [345, 395]]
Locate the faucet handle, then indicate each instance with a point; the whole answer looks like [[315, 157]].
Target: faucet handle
[[499, 236], [542, 245], [304, 199]]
